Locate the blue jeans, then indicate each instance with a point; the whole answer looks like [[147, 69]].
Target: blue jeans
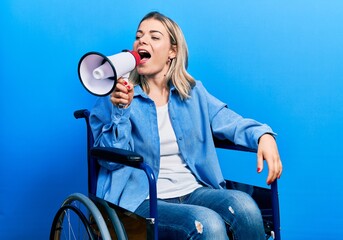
[[208, 214]]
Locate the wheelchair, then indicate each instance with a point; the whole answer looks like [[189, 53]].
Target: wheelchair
[[89, 217]]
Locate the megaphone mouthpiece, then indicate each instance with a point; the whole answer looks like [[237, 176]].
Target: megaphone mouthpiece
[[136, 56]]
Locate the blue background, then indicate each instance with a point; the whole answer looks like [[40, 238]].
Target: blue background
[[279, 62]]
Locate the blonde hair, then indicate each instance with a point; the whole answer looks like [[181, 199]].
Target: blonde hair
[[177, 72]]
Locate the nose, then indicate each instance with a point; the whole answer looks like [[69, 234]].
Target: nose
[[143, 40]]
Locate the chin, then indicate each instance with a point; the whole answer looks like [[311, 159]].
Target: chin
[[141, 70]]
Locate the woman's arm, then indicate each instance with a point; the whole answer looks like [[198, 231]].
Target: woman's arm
[[110, 124]]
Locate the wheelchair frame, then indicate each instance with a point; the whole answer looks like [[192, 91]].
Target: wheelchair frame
[[106, 216]]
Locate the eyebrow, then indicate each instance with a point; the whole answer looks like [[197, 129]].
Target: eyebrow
[[151, 31]]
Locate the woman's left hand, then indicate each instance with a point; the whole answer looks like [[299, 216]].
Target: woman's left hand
[[267, 150]]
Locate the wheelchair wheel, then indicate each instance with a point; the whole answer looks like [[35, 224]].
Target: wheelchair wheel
[[79, 218]]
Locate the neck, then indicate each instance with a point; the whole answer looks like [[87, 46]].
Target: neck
[[159, 92]]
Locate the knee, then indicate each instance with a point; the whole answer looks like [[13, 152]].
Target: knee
[[245, 206], [245, 219], [208, 225]]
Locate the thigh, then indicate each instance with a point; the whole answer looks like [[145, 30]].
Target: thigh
[[238, 209], [184, 221]]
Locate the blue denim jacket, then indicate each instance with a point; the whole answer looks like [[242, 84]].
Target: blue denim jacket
[[194, 121]]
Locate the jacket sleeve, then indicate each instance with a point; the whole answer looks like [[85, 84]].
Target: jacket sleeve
[[227, 124], [111, 127]]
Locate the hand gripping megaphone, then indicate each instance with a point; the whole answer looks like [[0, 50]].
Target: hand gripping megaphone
[[99, 73]]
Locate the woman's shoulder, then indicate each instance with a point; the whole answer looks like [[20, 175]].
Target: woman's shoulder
[[200, 89], [198, 86]]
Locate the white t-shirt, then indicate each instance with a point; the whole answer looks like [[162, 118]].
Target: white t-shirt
[[175, 179]]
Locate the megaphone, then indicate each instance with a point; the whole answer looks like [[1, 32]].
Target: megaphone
[[99, 73]]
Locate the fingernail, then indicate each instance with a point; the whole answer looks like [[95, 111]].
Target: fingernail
[[258, 169], [125, 83], [128, 87]]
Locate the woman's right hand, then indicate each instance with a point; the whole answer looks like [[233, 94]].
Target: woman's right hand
[[122, 94]]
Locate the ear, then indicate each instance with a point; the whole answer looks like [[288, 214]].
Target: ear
[[172, 52]]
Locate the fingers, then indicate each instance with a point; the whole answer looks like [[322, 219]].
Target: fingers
[[272, 173], [271, 167], [279, 169], [267, 150], [259, 162], [274, 168], [122, 94], [119, 98]]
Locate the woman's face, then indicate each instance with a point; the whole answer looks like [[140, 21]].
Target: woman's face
[[153, 45]]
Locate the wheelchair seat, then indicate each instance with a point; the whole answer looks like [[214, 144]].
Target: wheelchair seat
[[100, 219]]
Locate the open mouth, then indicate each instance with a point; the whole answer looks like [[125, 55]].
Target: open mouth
[[145, 55]]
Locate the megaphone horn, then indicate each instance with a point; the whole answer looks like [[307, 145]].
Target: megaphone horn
[[99, 73]]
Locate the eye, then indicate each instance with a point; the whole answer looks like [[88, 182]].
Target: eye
[[139, 35], [155, 38]]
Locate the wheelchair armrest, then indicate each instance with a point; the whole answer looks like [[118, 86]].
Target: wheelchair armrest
[[82, 113], [117, 155], [131, 159], [227, 144]]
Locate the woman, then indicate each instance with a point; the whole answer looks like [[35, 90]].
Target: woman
[[169, 119]]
